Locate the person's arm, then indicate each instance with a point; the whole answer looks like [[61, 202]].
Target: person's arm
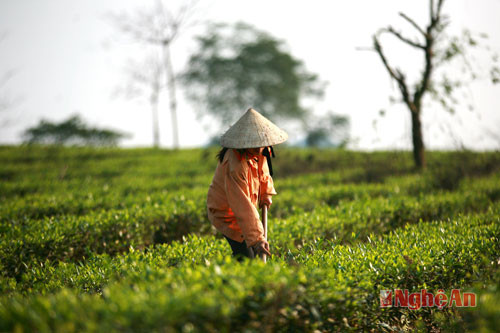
[[247, 216]]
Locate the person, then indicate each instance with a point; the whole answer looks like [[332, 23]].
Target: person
[[243, 182]]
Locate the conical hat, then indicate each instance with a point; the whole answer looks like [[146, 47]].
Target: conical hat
[[253, 130]]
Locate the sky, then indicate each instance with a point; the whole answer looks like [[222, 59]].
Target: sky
[[68, 58]]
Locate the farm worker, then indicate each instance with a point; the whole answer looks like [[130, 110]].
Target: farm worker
[[242, 183]]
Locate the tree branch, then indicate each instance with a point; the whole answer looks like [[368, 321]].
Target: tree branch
[[413, 23], [435, 15], [402, 38], [431, 9], [158, 25], [169, 25], [440, 6], [429, 55], [397, 75], [378, 48]]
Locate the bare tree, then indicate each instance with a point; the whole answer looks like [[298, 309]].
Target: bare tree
[[437, 49], [145, 78], [159, 26]]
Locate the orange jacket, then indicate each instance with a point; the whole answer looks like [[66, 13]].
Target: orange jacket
[[238, 185]]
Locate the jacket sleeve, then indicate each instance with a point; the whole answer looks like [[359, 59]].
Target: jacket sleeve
[[247, 216], [266, 182]]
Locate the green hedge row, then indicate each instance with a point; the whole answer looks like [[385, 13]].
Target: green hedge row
[[71, 238], [322, 286]]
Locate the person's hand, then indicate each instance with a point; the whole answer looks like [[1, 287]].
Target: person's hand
[[266, 201], [262, 247]]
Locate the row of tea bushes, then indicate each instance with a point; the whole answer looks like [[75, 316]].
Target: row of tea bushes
[[301, 193], [322, 286], [357, 219], [72, 237], [286, 236]]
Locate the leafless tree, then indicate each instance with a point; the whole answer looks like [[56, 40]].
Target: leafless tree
[[437, 49], [160, 26], [145, 79]]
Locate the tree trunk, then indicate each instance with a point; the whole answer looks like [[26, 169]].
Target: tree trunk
[[418, 142], [156, 128], [171, 93]]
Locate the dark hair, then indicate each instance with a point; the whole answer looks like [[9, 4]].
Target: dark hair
[[222, 152]]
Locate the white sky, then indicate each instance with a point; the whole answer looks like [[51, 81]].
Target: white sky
[[69, 59]]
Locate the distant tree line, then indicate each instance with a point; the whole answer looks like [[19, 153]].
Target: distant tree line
[[72, 131]]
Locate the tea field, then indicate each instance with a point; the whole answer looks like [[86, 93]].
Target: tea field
[[108, 239]]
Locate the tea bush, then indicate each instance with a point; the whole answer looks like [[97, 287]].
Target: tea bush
[[118, 240]]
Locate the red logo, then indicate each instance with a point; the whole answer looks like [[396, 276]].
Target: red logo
[[414, 301], [385, 298]]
